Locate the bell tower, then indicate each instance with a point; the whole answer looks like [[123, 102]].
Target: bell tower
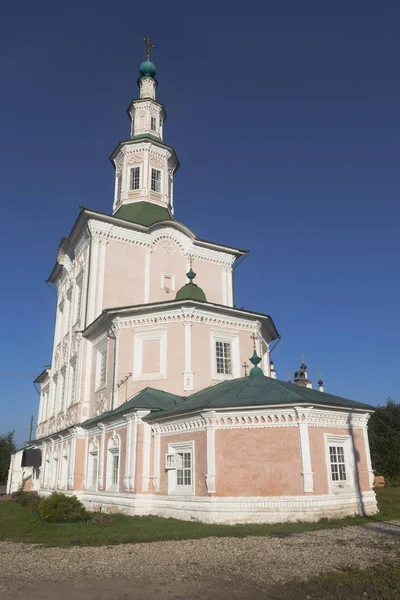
[[144, 165]]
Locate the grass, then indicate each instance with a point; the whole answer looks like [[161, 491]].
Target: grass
[[379, 583], [17, 524]]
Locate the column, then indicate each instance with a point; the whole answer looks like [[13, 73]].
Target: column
[[146, 456], [156, 473], [102, 428], [188, 373], [210, 419], [128, 453], [368, 453], [147, 259], [308, 475]]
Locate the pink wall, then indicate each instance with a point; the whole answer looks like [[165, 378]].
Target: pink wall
[[258, 462], [124, 275]]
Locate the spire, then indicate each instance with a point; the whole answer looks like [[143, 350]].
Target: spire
[[191, 291], [320, 382], [272, 369], [255, 360], [144, 165]]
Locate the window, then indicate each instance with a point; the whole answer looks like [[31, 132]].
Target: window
[[73, 374], [101, 368], [135, 178], [62, 392], [119, 188], [160, 121], [153, 123], [223, 357], [180, 467], [338, 464], [184, 473], [156, 181], [94, 469], [168, 282], [78, 298], [115, 465]]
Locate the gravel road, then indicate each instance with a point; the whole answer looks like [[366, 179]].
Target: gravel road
[[212, 568]]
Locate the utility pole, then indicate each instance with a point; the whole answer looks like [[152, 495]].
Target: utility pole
[[31, 428]]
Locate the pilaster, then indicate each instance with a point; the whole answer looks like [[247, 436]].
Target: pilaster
[[210, 434], [188, 373], [308, 475]]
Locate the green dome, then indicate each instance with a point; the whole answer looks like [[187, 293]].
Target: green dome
[[191, 291], [147, 69]]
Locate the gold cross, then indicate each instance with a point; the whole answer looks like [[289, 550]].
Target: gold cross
[[149, 45], [254, 338]]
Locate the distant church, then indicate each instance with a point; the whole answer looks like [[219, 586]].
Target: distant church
[[149, 405]]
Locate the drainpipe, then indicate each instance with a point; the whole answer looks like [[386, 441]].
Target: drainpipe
[[89, 262], [114, 337], [276, 343], [235, 266]]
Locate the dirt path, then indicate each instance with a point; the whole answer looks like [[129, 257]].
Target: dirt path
[[212, 568]]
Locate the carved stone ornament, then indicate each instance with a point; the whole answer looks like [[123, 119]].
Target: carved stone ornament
[[147, 89], [168, 248], [75, 338], [155, 161], [135, 158], [65, 348], [70, 417], [100, 405], [57, 357]]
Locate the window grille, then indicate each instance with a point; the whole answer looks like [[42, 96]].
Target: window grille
[[103, 368], [94, 469], [338, 464], [156, 180], [153, 123], [184, 473], [224, 358], [119, 188], [135, 178], [115, 465]]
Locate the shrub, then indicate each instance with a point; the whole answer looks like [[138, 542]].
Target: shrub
[[20, 496], [59, 508], [33, 503]]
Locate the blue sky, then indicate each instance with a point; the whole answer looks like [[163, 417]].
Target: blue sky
[[285, 118]]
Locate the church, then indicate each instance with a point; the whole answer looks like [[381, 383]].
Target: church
[[149, 406]]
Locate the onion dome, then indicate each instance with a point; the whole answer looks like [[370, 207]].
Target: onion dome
[[147, 69], [255, 360], [320, 382], [191, 291]]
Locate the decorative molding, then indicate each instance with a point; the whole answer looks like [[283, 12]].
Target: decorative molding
[[305, 451], [100, 405], [146, 457]]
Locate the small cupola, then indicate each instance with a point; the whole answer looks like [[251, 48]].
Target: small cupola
[[191, 291], [300, 376]]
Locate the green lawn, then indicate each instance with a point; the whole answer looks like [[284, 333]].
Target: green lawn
[[17, 524]]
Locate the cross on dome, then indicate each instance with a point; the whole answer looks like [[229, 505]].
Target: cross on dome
[[149, 46]]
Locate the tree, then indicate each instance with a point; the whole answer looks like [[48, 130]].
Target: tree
[[384, 437], [7, 447]]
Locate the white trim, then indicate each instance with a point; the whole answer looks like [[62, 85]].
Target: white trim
[[188, 381], [210, 474], [229, 272], [139, 338], [368, 457], [128, 453], [173, 488], [147, 261], [224, 286], [231, 510], [93, 280], [102, 457], [146, 456], [221, 335], [157, 450], [307, 473], [340, 487], [102, 266]]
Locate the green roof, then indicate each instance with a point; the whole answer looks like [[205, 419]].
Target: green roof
[[191, 291], [148, 398], [143, 213], [258, 391]]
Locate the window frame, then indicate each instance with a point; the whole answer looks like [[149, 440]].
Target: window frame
[[173, 487], [102, 350], [345, 442], [156, 181], [138, 169], [113, 450], [217, 335], [153, 120]]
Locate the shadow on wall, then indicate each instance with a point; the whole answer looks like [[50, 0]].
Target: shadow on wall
[[356, 455]]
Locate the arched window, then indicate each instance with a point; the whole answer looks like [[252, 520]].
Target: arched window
[[54, 471], [64, 469], [113, 463], [93, 465]]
